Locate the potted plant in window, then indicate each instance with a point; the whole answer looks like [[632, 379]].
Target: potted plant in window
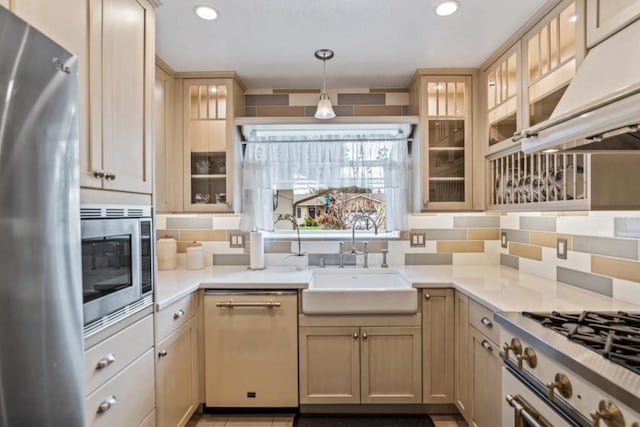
[[299, 256]]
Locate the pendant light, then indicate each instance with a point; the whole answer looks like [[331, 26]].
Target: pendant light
[[325, 110]]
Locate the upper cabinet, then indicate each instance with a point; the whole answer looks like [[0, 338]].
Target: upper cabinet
[[117, 155], [606, 17], [5, 3], [503, 83], [444, 106], [209, 109], [550, 58]]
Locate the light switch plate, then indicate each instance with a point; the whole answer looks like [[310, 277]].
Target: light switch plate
[[236, 240], [417, 240], [561, 248], [503, 239]]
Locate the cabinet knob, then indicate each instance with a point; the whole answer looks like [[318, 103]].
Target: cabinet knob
[[427, 296], [98, 174], [110, 176], [106, 404], [162, 353], [178, 314], [486, 322], [364, 336], [105, 361], [425, 203], [355, 335], [487, 345]]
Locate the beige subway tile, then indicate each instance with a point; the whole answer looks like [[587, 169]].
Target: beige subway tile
[[483, 234], [279, 111], [526, 251], [548, 239], [453, 246], [613, 267], [203, 235], [377, 110]]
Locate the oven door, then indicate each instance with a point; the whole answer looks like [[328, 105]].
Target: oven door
[[111, 258], [521, 407]]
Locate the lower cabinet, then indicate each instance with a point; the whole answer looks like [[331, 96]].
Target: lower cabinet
[[438, 345], [485, 380], [461, 358], [176, 376], [352, 365]]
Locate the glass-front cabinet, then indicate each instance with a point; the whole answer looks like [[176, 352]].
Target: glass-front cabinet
[[550, 55], [503, 82], [208, 143], [607, 17], [446, 142]]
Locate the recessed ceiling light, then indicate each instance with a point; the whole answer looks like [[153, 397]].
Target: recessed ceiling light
[[206, 12], [448, 7], [550, 150]]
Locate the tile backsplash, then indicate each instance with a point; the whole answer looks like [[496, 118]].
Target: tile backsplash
[[603, 248]]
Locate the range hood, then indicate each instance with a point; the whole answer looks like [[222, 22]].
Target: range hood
[[600, 110]]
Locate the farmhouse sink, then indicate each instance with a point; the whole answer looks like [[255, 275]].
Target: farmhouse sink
[[359, 291]]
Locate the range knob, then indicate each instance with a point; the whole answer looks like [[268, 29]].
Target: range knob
[[610, 414], [516, 347], [562, 384], [529, 356]]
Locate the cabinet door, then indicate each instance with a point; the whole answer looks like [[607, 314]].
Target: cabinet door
[[503, 88], [177, 377], [446, 143], [208, 122], [438, 345], [461, 359], [329, 365], [66, 22], [485, 375], [391, 362], [168, 154], [127, 85], [606, 17]]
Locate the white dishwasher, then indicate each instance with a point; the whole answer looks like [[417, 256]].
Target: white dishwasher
[[251, 349]]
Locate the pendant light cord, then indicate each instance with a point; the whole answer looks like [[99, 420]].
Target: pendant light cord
[[324, 78]]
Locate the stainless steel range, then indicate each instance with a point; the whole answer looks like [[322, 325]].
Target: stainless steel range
[[571, 369]]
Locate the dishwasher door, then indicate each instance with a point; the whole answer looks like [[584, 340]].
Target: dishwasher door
[[251, 349]]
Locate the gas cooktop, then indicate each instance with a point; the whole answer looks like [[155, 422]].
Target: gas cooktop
[[614, 335]]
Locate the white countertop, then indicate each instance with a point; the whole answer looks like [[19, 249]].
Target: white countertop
[[499, 288]]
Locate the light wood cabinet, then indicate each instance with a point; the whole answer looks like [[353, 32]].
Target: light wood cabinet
[[5, 3], [360, 365], [486, 391], [443, 103], [607, 17], [117, 154], [438, 329], [329, 365], [461, 359], [168, 150], [177, 376], [209, 109]]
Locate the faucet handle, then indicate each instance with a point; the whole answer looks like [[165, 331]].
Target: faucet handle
[[384, 258], [341, 246], [366, 247]]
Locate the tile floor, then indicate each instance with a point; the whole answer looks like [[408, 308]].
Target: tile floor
[[211, 420]]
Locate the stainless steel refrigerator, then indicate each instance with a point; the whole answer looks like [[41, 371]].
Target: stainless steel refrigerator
[[41, 355]]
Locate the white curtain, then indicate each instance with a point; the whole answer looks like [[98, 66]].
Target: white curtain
[[324, 162]]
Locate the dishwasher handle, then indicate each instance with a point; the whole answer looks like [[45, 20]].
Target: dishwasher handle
[[231, 304]]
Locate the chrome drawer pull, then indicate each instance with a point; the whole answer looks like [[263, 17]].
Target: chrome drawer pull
[[106, 404], [231, 304], [162, 353], [105, 361], [178, 314], [487, 345], [486, 322]]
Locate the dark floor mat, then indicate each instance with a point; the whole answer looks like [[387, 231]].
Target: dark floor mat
[[314, 420]]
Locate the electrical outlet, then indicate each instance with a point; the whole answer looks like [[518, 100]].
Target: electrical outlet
[[503, 239], [417, 240], [561, 248], [236, 240]]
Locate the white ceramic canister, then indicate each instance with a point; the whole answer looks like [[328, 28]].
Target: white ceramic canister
[[167, 251], [195, 256]]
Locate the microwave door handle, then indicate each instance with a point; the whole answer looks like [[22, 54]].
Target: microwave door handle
[[523, 412]]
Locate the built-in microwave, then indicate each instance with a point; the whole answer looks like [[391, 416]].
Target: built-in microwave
[[117, 258]]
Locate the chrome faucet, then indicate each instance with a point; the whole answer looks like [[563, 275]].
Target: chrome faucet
[[365, 251]]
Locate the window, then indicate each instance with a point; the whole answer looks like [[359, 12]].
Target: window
[[327, 184]]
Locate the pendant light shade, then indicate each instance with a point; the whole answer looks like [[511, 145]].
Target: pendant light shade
[[325, 110]]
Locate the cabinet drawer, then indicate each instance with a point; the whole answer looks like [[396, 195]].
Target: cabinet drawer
[[104, 360], [176, 315], [126, 399], [481, 318]]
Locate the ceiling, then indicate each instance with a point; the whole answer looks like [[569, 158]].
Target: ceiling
[[377, 43]]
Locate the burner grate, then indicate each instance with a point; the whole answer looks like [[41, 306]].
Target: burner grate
[[614, 335]]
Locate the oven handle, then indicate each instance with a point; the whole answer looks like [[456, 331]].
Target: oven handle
[[522, 412]]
